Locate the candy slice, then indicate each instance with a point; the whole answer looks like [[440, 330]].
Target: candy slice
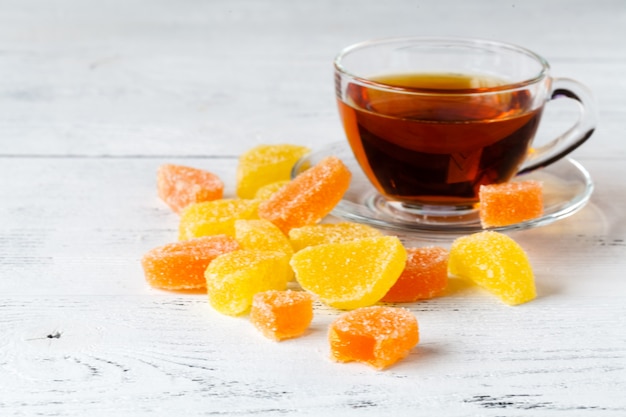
[[378, 336], [181, 265], [510, 203], [495, 262], [317, 234], [265, 164], [351, 274], [234, 278], [281, 315], [262, 234], [215, 217], [179, 185], [425, 276], [266, 191], [309, 197]]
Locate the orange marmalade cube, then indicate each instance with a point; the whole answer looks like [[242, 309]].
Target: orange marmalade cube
[[281, 315], [510, 203], [309, 197], [425, 276], [378, 336], [179, 185], [181, 265]]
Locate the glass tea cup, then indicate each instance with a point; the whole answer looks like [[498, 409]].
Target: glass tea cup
[[430, 120]]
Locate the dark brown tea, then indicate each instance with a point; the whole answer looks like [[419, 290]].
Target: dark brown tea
[[431, 141]]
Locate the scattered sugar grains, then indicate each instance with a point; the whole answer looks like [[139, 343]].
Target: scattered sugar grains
[[281, 315], [378, 336], [265, 164], [317, 234], [181, 265], [510, 203], [179, 185], [309, 197], [215, 217], [353, 274], [495, 262], [234, 278], [425, 276]]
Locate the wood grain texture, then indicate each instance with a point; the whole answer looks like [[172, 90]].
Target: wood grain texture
[[94, 96]]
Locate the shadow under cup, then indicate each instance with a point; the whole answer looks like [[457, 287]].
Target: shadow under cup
[[431, 120]]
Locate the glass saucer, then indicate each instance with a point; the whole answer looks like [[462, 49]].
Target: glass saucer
[[567, 188]]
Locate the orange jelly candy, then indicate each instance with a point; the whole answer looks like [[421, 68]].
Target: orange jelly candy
[[425, 276], [510, 203], [309, 197], [181, 265], [281, 315], [179, 185], [378, 336]]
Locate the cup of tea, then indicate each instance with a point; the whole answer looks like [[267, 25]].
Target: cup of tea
[[430, 120]]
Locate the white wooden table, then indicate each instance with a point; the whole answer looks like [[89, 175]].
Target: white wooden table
[[94, 96]]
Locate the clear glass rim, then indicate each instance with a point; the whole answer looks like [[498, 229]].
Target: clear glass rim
[[441, 41]]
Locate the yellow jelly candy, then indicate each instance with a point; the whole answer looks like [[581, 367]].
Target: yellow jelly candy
[[215, 217], [317, 234], [266, 191], [262, 235], [234, 278], [353, 274], [265, 164], [495, 262]]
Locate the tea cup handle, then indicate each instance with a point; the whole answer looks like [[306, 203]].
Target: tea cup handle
[[574, 136]]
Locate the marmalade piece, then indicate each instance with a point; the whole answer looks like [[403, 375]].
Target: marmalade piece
[[179, 185], [281, 315], [510, 203], [266, 191], [265, 164], [425, 276], [309, 197], [262, 235], [234, 278], [495, 262], [378, 336], [317, 234], [215, 217], [353, 274], [181, 265]]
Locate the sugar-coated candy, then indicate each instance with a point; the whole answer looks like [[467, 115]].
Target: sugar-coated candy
[[495, 262], [378, 336], [215, 217], [262, 234], [353, 274], [425, 275], [179, 185], [309, 197], [281, 315], [266, 191], [265, 164], [181, 265], [234, 278], [509, 203], [317, 234]]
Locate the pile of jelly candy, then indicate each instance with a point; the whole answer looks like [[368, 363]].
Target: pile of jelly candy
[[267, 254]]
